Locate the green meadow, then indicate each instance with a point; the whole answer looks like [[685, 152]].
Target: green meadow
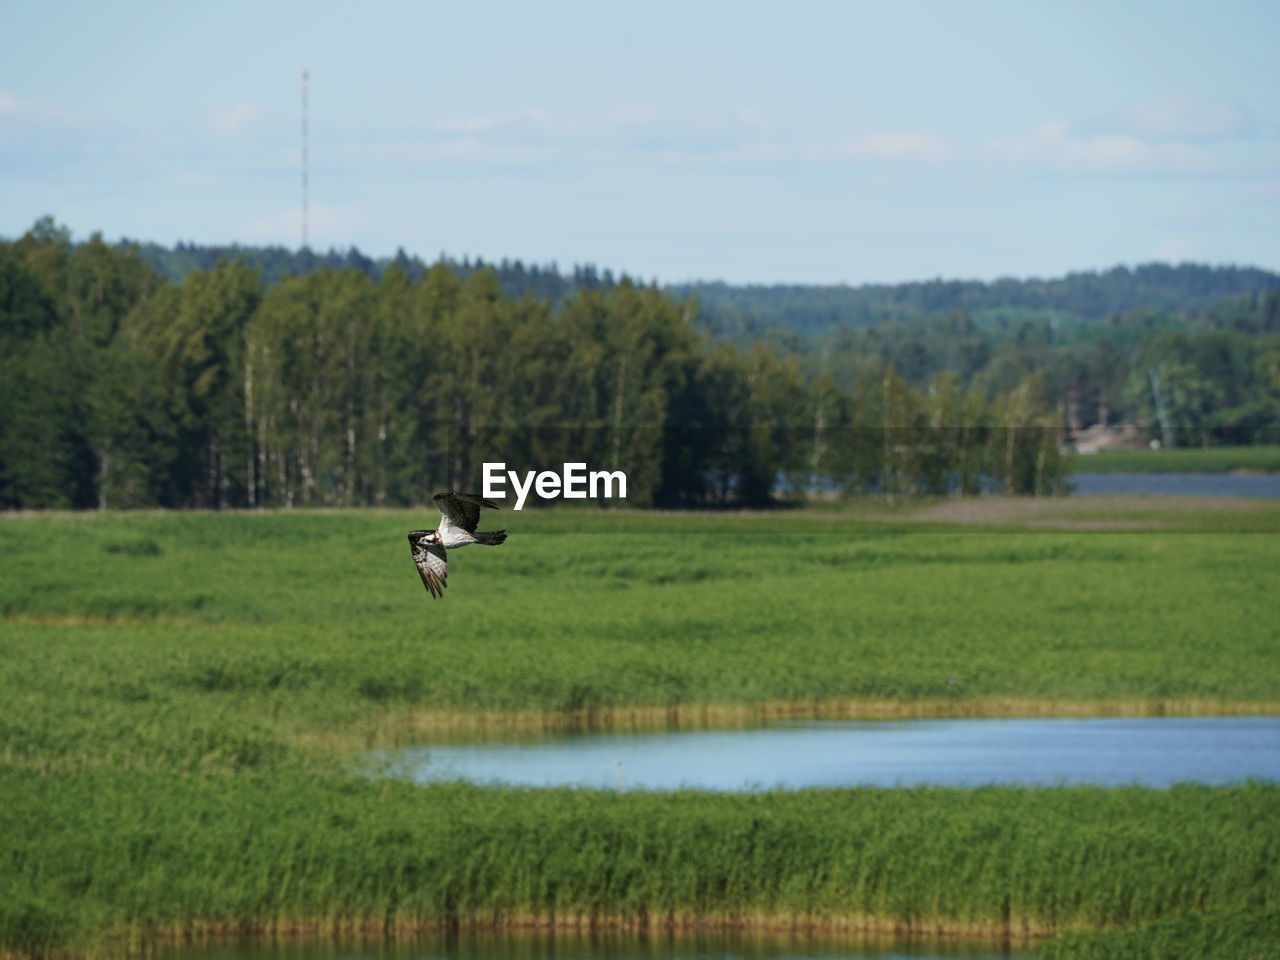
[[1252, 459], [185, 698]]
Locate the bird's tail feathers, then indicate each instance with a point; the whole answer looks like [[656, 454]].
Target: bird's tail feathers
[[491, 537]]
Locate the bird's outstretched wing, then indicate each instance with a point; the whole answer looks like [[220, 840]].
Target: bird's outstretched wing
[[433, 566], [462, 509]]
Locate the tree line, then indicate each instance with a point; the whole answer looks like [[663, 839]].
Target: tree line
[[122, 388], [1105, 342], [738, 311], [1073, 300], [749, 311], [1189, 380]]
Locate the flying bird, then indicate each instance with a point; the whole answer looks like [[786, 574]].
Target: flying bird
[[459, 514]]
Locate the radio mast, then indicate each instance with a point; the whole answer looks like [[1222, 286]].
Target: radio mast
[[305, 136]]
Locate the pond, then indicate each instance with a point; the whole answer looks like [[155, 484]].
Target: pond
[[541, 945], [1155, 751], [1180, 484]]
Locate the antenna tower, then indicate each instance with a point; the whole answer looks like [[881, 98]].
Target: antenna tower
[[305, 137]]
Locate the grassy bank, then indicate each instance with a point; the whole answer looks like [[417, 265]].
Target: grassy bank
[[251, 849], [183, 693], [1260, 459]]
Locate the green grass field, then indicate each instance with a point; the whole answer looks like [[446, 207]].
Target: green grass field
[[1260, 459], [184, 696]]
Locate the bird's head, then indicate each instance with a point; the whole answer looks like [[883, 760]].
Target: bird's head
[[424, 536]]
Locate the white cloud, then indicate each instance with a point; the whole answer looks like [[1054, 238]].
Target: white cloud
[[1058, 147], [470, 152], [1182, 118], [619, 117], [45, 139], [690, 137], [896, 146], [530, 117], [1173, 249], [621, 128], [39, 113], [607, 123], [236, 120], [631, 135]]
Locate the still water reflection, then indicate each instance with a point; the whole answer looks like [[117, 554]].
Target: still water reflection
[[603, 946], [1156, 751]]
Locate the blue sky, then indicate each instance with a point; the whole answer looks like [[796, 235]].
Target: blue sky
[[752, 142]]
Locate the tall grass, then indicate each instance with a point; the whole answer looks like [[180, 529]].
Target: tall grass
[[305, 623], [602, 944], [154, 853], [174, 687], [1191, 936]]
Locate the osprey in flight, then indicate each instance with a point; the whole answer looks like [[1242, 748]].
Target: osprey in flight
[[459, 514]]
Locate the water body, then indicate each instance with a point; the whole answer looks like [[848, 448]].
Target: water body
[[1154, 751], [601, 946], [1180, 484]]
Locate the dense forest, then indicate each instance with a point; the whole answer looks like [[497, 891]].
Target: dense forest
[[121, 388], [1074, 300], [752, 311], [341, 385]]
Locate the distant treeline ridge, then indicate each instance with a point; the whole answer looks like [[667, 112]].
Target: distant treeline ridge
[[809, 309]]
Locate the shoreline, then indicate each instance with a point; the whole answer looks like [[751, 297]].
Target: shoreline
[[400, 728], [529, 923]]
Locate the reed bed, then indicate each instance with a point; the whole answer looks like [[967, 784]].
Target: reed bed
[[183, 693], [315, 622], [1251, 935], [145, 854]]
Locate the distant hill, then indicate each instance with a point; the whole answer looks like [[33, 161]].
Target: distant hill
[[748, 311], [544, 281], [1076, 298]]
